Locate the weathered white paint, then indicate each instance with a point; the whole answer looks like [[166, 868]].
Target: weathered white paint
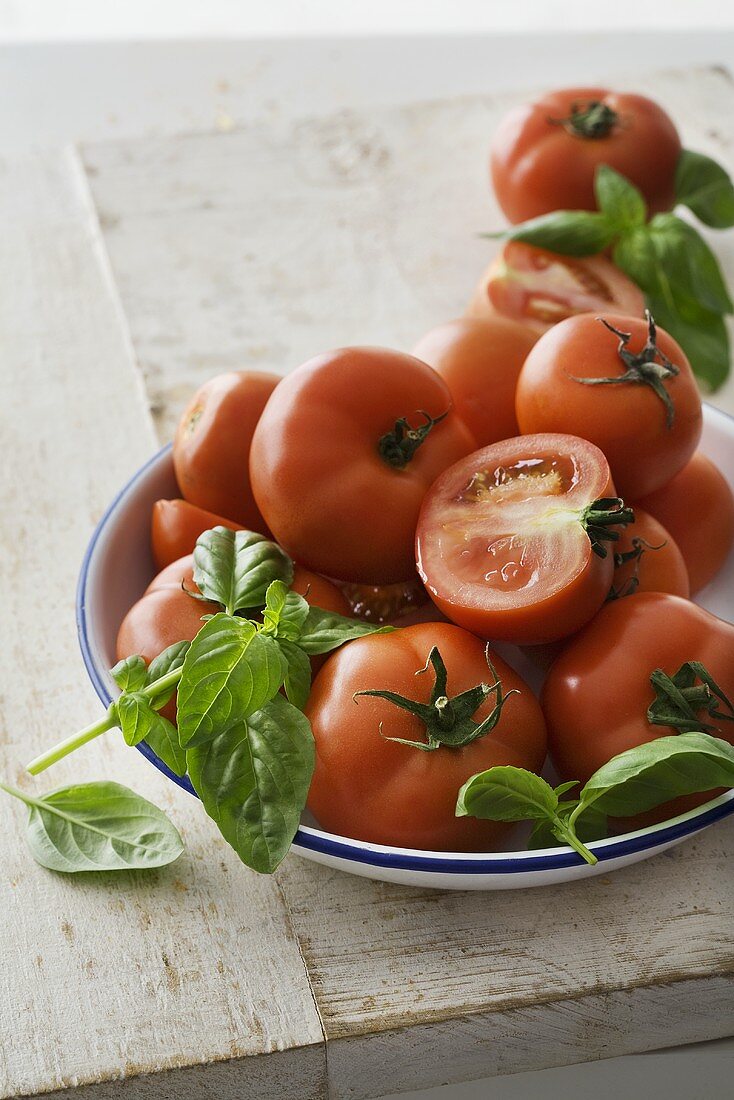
[[106, 978]]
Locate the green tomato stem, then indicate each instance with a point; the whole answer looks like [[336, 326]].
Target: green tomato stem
[[76, 740]]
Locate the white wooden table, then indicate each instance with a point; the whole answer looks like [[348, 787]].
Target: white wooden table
[[128, 272]]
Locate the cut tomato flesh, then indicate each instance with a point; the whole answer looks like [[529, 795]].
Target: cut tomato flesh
[[503, 529], [532, 283]]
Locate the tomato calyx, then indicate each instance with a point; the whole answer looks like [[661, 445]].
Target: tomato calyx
[[639, 547], [650, 367], [590, 119], [397, 447], [448, 721], [598, 519], [678, 699]]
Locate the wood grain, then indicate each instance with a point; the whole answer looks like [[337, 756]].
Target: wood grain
[[111, 977]]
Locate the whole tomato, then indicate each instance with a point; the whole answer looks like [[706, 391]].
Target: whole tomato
[[343, 454], [211, 448], [371, 788], [480, 360], [649, 559], [540, 288], [697, 507], [597, 693], [620, 384], [512, 540], [545, 154], [175, 527]]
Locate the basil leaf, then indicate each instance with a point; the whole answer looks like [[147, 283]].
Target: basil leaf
[[162, 738], [230, 671], [570, 232], [135, 716], [705, 188], [253, 779], [619, 200], [325, 630], [657, 771], [170, 659], [98, 827], [298, 677], [234, 568], [505, 793], [285, 612], [130, 674], [688, 262]]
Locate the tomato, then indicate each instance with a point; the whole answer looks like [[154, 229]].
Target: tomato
[[616, 392], [697, 507], [540, 288], [212, 445], [385, 603], [654, 562], [480, 360], [545, 154], [175, 527], [370, 788], [596, 695], [343, 454], [504, 544]]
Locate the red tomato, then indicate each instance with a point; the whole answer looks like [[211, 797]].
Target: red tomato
[[175, 527], [697, 507], [343, 454], [212, 446], [369, 788], [545, 154], [596, 695], [502, 542], [647, 436], [540, 288], [385, 603], [654, 562], [480, 361]]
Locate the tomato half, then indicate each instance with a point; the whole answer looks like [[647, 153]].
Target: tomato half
[[540, 288], [504, 543], [545, 154], [343, 454], [480, 361], [628, 389], [596, 695], [653, 562], [697, 507], [369, 788], [176, 525], [211, 448]]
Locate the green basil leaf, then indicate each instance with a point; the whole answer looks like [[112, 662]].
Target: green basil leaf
[[705, 188], [98, 827], [619, 200], [162, 737], [689, 263], [234, 568], [592, 826], [325, 630], [135, 716], [657, 771], [570, 232], [167, 661], [130, 674], [253, 780], [505, 793], [284, 613], [298, 677], [230, 671]]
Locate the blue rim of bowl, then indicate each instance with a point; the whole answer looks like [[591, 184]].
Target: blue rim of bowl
[[327, 844]]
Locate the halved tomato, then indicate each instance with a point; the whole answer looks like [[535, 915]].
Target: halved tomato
[[512, 540], [541, 288]]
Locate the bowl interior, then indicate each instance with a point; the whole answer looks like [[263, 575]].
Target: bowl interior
[[118, 566]]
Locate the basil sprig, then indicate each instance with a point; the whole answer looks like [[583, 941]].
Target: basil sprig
[[248, 750], [630, 783], [665, 255]]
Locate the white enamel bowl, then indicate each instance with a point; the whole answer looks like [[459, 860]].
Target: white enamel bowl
[[117, 568]]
